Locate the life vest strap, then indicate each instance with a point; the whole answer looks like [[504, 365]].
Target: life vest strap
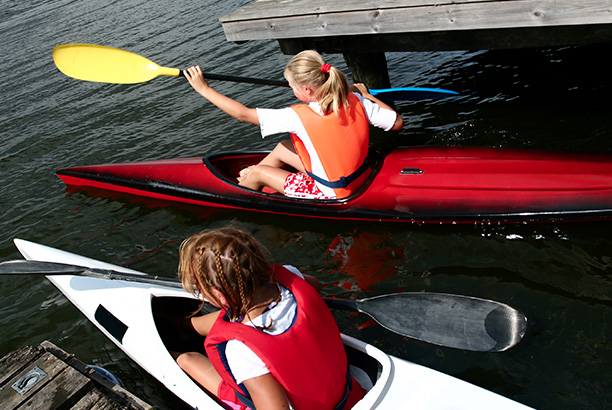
[[349, 387], [343, 182]]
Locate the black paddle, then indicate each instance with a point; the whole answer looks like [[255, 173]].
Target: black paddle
[[455, 321]]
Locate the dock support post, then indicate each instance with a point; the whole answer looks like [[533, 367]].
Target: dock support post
[[368, 68]]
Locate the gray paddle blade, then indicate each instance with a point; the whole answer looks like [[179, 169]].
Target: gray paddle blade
[[455, 321], [29, 267], [26, 267]]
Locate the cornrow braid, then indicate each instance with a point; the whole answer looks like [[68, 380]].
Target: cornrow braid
[[228, 260], [191, 272], [246, 303], [235, 308]]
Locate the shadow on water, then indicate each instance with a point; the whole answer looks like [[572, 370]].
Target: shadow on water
[[553, 98]]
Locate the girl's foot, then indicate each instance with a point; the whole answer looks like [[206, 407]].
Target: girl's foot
[[244, 172]]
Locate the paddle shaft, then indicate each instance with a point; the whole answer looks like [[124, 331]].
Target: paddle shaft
[[90, 62], [455, 321], [387, 94], [238, 79]]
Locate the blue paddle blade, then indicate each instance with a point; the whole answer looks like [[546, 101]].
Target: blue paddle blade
[[411, 93]]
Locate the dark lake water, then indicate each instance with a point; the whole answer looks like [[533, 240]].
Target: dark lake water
[[558, 274]]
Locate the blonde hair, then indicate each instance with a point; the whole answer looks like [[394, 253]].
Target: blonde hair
[[228, 260], [306, 68]]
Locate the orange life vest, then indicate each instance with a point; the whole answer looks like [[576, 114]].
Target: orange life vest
[[341, 141]]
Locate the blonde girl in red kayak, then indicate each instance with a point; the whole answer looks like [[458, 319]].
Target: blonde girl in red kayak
[[329, 131], [274, 343]]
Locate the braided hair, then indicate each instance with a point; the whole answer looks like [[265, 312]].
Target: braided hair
[[228, 260]]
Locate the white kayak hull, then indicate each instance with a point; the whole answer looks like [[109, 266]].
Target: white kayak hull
[[123, 312]]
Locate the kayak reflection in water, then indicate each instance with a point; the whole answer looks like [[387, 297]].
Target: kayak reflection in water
[[329, 132], [274, 341]]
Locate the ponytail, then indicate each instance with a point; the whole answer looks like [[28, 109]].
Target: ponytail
[[309, 68]]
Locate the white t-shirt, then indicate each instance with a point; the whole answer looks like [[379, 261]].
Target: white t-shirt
[[243, 362], [276, 121]]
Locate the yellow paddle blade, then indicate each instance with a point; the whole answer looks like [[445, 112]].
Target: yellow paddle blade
[[103, 64]]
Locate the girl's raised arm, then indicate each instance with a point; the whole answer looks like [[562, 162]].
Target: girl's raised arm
[[363, 90], [203, 324], [229, 106]]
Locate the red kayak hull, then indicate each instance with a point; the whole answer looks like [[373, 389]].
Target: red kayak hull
[[422, 184]]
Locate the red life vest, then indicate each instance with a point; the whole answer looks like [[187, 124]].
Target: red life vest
[[341, 140], [308, 359]]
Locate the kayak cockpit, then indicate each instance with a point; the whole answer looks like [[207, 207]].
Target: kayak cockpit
[[171, 315], [226, 166]]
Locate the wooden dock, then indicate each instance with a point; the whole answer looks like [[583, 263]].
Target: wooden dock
[[48, 378], [363, 30]]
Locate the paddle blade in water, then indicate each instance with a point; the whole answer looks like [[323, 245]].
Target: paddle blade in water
[[455, 321], [103, 64]]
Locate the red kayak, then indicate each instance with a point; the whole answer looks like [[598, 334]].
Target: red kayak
[[421, 184]]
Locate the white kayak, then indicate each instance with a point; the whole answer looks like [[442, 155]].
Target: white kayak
[[141, 319]]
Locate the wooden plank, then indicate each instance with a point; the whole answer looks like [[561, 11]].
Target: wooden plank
[[464, 15], [16, 361], [118, 394], [63, 391], [89, 400], [95, 400], [11, 399], [284, 8], [106, 404], [66, 383]]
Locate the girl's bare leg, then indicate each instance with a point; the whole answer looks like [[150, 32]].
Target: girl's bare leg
[[265, 175], [200, 369], [283, 153], [196, 365], [269, 171]]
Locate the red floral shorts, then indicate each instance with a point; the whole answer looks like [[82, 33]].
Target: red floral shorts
[[300, 185]]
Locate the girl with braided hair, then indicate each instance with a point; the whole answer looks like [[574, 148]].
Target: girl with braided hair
[[329, 131], [274, 343]]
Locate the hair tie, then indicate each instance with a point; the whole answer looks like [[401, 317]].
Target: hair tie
[[325, 68]]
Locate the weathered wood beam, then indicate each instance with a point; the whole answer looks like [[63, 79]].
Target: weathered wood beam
[[363, 30], [460, 40], [275, 19]]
